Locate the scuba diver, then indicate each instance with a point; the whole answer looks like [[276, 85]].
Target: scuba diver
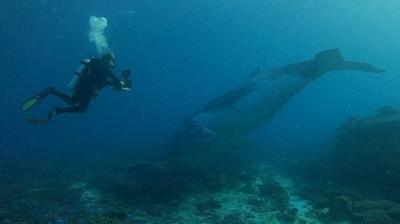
[[93, 74]]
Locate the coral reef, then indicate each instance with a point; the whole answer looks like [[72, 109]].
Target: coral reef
[[346, 206], [366, 155], [358, 180]]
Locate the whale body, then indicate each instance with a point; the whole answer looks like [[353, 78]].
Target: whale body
[[208, 150], [243, 109]]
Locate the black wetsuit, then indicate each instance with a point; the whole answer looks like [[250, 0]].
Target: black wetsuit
[[96, 76]]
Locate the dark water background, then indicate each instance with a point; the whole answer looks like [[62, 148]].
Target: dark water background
[[183, 53]]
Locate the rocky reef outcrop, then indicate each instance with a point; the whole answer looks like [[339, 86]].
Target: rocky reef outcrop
[[367, 153]]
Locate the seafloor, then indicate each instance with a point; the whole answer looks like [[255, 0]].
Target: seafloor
[[268, 198], [356, 181]]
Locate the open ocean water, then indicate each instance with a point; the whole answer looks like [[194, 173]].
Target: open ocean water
[[253, 112]]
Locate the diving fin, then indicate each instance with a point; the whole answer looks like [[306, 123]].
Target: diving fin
[[360, 66], [36, 99], [37, 122], [31, 102]]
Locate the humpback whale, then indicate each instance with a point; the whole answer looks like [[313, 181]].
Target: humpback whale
[[259, 98], [209, 150]]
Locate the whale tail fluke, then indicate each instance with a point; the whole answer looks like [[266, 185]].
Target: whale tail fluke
[[360, 66], [329, 60], [332, 59]]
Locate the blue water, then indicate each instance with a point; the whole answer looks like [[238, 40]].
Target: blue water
[[184, 53]]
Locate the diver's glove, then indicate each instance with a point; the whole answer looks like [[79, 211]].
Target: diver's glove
[[126, 84]]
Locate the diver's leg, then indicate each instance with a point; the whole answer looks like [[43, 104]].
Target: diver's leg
[[74, 109], [80, 108], [68, 99]]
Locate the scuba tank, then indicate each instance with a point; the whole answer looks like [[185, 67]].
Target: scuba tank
[[78, 74]]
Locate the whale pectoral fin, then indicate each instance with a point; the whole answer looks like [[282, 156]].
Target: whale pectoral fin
[[208, 133], [360, 66]]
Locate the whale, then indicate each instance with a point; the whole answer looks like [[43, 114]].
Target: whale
[[241, 110], [209, 150]]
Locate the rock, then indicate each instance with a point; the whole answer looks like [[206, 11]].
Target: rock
[[273, 191], [289, 216], [376, 212], [233, 218], [366, 155], [387, 111], [208, 206], [360, 206], [321, 202], [394, 213], [257, 205], [302, 221], [374, 217], [340, 208], [116, 215], [248, 189]]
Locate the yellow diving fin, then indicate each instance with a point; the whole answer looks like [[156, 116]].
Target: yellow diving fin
[[31, 102], [34, 100], [40, 122]]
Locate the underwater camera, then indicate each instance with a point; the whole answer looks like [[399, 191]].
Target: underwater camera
[[125, 78]]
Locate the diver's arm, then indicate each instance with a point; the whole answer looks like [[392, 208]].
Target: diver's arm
[[123, 84], [113, 81], [119, 84]]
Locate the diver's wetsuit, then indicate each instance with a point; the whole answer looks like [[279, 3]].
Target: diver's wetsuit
[[98, 75]]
